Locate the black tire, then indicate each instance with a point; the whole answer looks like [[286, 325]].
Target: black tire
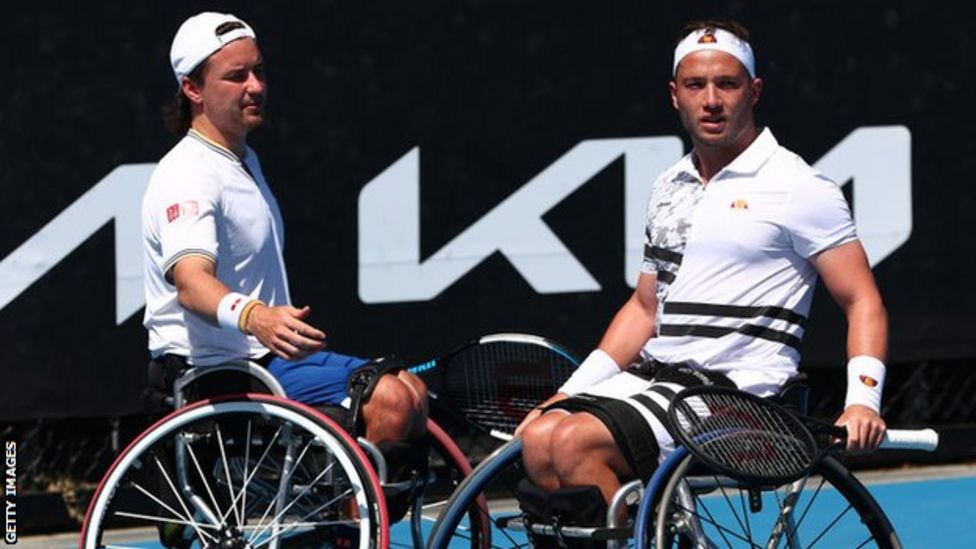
[[846, 516], [230, 489]]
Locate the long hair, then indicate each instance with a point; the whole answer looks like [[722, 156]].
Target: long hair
[[177, 112]]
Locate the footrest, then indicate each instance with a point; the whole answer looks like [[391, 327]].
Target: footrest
[[599, 533]]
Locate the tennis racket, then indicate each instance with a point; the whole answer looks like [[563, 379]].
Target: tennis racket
[[494, 381], [753, 439]]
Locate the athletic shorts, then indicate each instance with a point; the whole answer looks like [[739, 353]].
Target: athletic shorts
[[318, 379], [634, 406]]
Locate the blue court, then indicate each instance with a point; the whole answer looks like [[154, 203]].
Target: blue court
[[934, 511], [925, 513]]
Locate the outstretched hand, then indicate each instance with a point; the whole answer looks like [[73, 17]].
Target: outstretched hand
[[282, 329], [865, 428]]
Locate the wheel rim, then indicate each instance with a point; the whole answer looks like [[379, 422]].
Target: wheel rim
[[493, 476], [230, 492], [832, 509]]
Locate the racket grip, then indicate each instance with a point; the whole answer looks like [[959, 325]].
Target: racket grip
[[910, 439], [501, 435]]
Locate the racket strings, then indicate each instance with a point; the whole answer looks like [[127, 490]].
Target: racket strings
[[747, 438], [497, 384]]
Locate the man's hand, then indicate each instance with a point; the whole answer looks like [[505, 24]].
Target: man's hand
[[282, 330], [537, 411], [865, 428]]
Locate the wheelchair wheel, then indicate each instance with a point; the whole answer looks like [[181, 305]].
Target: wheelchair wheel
[[831, 509], [241, 471], [452, 467], [467, 514]]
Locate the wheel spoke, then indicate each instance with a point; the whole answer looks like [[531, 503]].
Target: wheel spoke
[[206, 484], [230, 484], [179, 498], [263, 505], [292, 526], [244, 475], [296, 499], [257, 466]]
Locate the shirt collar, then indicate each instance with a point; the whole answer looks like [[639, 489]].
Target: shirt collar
[[216, 147], [755, 155], [748, 162]]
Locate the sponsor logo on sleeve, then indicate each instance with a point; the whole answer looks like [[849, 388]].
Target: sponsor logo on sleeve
[[187, 208]]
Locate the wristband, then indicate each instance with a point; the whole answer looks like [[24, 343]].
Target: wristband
[[597, 367], [246, 313], [865, 382], [229, 310]]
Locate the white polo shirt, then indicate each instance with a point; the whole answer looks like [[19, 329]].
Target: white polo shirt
[[202, 200], [732, 261]]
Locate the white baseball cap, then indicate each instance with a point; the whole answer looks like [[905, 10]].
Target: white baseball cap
[[200, 36]]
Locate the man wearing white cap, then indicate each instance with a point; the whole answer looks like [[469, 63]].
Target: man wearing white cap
[[216, 284], [737, 233]]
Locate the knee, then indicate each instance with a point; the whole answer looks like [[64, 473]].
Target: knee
[[416, 387], [574, 441], [536, 438], [393, 399]]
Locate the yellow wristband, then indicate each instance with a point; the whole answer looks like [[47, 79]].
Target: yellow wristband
[[245, 313]]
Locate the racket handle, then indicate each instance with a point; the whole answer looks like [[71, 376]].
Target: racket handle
[[910, 439], [501, 435]]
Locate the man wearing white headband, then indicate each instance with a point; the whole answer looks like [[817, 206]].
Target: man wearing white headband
[[737, 233], [216, 283]]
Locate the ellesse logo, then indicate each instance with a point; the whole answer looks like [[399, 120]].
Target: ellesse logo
[[708, 37], [869, 381], [739, 204]]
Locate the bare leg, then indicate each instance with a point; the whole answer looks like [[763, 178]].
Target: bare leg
[[389, 414], [537, 450], [421, 413], [584, 453]]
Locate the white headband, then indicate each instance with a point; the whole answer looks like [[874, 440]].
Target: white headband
[[716, 39]]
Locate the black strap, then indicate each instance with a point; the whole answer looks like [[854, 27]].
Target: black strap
[[361, 385]]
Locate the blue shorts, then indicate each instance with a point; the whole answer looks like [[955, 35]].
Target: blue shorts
[[320, 378]]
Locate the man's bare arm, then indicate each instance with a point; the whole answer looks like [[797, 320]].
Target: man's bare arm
[[847, 276], [633, 324], [629, 330], [281, 329]]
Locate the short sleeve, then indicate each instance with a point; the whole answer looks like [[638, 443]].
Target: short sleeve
[[648, 264], [818, 217], [187, 215]]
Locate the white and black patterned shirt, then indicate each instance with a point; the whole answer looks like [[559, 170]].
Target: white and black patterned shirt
[[732, 261]]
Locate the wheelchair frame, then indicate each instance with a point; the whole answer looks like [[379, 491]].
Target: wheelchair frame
[[360, 454], [672, 482]]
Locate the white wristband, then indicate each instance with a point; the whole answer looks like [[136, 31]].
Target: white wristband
[[597, 367], [865, 382], [229, 310]]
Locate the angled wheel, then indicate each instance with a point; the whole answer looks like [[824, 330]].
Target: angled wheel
[[489, 490], [241, 471], [831, 508], [452, 467]]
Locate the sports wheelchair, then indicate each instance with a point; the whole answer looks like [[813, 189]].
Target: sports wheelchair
[[738, 479], [259, 470]]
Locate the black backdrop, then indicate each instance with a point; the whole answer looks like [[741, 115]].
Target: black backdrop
[[492, 92]]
